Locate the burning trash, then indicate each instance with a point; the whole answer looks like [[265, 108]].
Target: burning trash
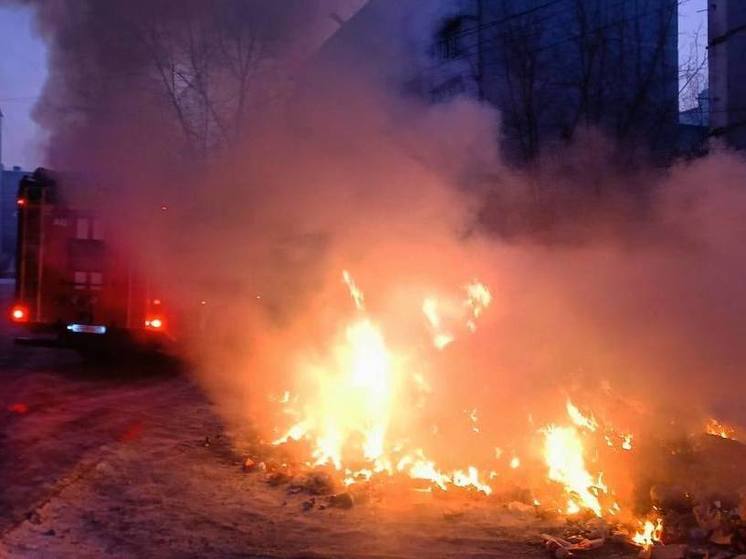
[[565, 459], [346, 445], [648, 535], [714, 427], [350, 418], [347, 432]]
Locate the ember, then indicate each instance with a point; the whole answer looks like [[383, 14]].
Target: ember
[[649, 534], [714, 427]]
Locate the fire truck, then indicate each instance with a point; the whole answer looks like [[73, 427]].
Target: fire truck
[[73, 287]]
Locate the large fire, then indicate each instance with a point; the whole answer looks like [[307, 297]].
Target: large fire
[[351, 417], [348, 417], [355, 402]]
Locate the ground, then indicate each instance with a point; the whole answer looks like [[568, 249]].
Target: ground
[[97, 465]]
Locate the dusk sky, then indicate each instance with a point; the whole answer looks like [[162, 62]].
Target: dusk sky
[[22, 75], [23, 72]]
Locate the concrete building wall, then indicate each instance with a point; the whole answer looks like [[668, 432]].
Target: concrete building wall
[[550, 67], [727, 68], [9, 217], [553, 66], [10, 178], [1, 136], [453, 65]]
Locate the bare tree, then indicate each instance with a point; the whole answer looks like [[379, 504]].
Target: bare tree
[[522, 104], [212, 68], [579, 63], [693, 71]]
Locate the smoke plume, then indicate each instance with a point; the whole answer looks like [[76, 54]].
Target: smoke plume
[[623, 287]]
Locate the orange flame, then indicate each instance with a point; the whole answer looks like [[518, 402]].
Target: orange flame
[[577, 417], [714, 427], [649, 534], [563, 453], [349, 417], [349, 414]]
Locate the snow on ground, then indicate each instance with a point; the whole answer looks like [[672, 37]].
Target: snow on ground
[[133, 466], [97, 469]]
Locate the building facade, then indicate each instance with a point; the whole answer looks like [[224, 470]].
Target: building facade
[[10, 178], [727, 67], [554, 66], [550, 67]]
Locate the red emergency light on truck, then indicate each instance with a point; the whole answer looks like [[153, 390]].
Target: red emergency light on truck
[[72, 286]]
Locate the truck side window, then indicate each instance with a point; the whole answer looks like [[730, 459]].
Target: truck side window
[[96, 280], [81, 228], [81, 280], [98, 230]]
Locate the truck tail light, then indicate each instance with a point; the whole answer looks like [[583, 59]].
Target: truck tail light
[[154, 319], [19, 313], [155, 323]]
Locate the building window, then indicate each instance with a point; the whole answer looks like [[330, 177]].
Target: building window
[[88, 280], [449, 38], [81, 280]]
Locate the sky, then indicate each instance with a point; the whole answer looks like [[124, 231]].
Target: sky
[[692, 46], [23, 63], [692, 16], [23, 72]]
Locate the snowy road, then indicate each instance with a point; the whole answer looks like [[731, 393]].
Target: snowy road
[[92, 466], [95, 468]]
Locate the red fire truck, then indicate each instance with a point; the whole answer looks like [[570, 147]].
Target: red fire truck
[[72, 287]]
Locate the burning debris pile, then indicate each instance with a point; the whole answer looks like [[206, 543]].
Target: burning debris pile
[[700, 516], [682, 525], [344, 446], [679, 525], [353, 406]]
